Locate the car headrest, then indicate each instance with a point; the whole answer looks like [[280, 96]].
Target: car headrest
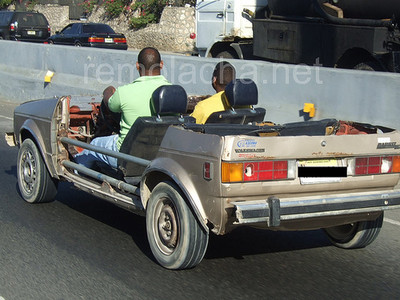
[[242, 92], [169, 99]]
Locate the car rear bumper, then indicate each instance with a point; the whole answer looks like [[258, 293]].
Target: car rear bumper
[[109, 46], [274, 210], [31, 40]]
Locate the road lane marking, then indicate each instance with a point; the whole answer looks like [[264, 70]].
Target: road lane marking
[[8, 118], [392, 221]]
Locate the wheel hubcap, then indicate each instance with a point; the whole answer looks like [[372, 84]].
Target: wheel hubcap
[[167, 227], [28, 168]]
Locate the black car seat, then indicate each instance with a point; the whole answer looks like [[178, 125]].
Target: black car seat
[[168, 102], [242, 94]]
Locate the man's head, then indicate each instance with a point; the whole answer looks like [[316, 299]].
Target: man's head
[[149, 62], [223, 73]]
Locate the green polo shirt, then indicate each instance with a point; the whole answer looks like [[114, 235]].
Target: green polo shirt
[[133, 101]]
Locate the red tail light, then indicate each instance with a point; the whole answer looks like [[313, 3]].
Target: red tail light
[[48, 29], [12, 27], [96, 40], [257, 171], [120, 40], [377, 165]]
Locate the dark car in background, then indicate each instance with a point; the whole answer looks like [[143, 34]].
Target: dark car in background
[[24, 26], [89, 35]]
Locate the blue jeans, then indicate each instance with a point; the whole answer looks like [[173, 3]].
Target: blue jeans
[[88, 157]]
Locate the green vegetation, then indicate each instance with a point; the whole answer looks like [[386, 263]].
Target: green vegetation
[[5, 3], [114, 8], [88, 6], [149, 12]]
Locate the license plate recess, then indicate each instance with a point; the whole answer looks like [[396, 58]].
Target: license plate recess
[[321, 171]]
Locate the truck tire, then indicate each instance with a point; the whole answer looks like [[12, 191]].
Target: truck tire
[[176, 239], [34, 180], [229, 54], [369, 66], [355, 235]]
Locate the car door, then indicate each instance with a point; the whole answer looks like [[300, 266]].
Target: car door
[[5, 19], [214, 20], [67, 35]]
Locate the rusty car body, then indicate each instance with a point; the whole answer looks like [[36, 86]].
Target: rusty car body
[[191, 180]]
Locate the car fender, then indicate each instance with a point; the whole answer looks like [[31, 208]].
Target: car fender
[[164, 168], [30, 126]]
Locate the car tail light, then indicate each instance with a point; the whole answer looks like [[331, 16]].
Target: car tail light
[[373, 165], [232, 172], [257, 171], [12, 27], [48, 29], [96, 40], [120, 40]]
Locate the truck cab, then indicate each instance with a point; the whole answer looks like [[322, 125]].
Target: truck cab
[[220, 27]]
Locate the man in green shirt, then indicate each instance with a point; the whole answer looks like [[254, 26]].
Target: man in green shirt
[[132, 101]]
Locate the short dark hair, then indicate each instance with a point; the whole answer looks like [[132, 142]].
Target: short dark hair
[[149, 58], [224, 73]]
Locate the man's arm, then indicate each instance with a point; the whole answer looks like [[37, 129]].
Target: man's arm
[[114, 102], [107, 93]]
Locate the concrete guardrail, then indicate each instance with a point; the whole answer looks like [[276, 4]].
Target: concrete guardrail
[[361, 96]]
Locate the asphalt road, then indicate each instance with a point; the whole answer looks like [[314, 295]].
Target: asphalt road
[[80, 247]]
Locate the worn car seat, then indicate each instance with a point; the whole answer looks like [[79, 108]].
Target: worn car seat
[[241, 93], [168, 103]]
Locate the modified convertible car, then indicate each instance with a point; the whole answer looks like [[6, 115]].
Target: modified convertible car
[[189, 180]]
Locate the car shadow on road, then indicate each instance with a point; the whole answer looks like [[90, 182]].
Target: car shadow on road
[[245, 241], [241, 242], [107, 213]]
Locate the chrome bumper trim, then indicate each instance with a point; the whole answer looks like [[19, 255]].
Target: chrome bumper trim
[[274, 210]]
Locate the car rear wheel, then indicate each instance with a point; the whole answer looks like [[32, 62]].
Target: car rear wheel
[[355, 235], [77, 44], [34, 180], [176, 238]]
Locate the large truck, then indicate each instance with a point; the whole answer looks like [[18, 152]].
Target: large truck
[[351, 34]]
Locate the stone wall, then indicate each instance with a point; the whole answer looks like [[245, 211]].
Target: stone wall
[[171, 34]]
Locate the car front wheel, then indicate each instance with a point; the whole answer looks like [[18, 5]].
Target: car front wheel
[[34, 180], [176, 238], [355, 235]]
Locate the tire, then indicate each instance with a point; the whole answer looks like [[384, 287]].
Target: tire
[[355, 235], [176, 239], [369, 66], [34, 180], [230, 54], [78, 44]]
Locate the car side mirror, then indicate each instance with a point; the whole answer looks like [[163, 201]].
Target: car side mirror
[[57, 32]]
